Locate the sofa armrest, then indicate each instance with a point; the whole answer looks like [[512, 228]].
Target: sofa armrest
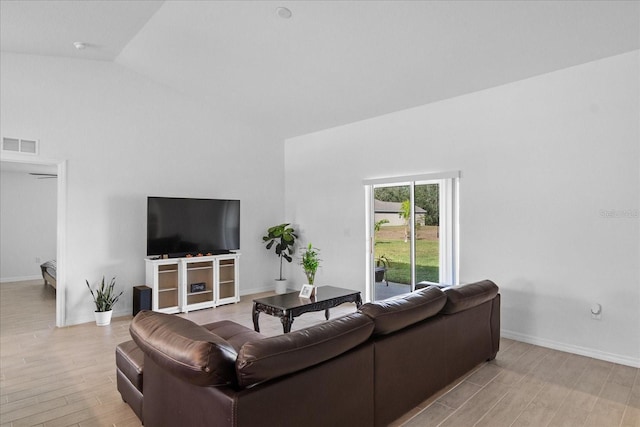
[[184, 348]]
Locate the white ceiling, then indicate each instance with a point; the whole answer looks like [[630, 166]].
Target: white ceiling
[[333, 62], [44, 27]]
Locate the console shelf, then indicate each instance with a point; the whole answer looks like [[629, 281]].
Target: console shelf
[[199, 293], [171, 280]]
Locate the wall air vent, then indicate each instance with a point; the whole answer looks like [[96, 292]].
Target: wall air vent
[[18, 145]]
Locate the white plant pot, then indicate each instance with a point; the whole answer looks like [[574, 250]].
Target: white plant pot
[[281, 286], [103, 318]]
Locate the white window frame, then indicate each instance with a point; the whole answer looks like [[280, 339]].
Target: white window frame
[[448, 184]]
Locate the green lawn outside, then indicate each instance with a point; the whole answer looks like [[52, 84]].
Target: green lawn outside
[[397, 252]]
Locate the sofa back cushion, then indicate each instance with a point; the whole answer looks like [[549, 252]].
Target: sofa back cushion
[[262, 360], [470, 295], [185, 349], [399, 312], [236, 335]]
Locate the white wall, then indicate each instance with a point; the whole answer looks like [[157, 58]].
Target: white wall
[[27, 225], [125, 138], [542, 161]]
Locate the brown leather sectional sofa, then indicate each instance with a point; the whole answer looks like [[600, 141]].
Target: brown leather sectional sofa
[[364, 369]]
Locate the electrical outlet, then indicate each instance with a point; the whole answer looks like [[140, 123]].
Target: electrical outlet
[[38, 260]]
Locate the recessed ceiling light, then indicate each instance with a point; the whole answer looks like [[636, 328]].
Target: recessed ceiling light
[[79, 45], [283, 12]]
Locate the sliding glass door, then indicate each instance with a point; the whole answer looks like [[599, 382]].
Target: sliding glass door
[[413, 234], [392, 240], [426, 221]]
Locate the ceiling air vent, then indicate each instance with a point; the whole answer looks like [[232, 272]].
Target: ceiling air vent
[[17, 145]]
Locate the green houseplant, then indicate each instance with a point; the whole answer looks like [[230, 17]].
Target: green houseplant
[[382, 264], [104, 298], [310, 262], [282, 238]]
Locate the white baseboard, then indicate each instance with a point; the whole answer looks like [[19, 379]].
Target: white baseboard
[[88, 316], [267, 288], [78, 320], [582, 351], [20, 278]]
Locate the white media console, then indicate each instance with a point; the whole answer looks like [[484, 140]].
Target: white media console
[[184, 284]]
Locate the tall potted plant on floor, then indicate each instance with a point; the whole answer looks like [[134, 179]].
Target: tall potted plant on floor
[[104, 298], [282, 238]]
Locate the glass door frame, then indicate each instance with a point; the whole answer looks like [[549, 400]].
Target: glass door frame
[[449, 235]]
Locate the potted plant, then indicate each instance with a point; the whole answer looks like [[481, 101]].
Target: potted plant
[[382, 263], [104, 299], [310, 262], [283, 238]]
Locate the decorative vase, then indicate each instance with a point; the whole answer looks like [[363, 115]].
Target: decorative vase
[[103, 318], [281, 286]]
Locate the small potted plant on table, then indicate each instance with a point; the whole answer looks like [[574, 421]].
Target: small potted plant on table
[[310, 262], [104, 299]]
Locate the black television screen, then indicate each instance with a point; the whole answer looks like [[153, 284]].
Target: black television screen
[[178, 226]]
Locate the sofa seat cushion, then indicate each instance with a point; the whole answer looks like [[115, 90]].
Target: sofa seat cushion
[[233, 333], [184, 349], [130, 361], [464, 297], [399, 312], [273, 357]]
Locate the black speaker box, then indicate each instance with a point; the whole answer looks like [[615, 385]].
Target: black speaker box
[[141, 298], [198, 287]]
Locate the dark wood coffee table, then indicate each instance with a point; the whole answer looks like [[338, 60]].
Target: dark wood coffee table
[[290, 305]]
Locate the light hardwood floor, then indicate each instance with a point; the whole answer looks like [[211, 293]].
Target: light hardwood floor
[[66, 376]]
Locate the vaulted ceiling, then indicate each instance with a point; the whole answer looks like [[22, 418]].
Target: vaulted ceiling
[[331, 62]]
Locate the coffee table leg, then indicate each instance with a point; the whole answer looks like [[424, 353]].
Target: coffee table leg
[[287, 321], [326, 314], [255, 314], [358, 300]]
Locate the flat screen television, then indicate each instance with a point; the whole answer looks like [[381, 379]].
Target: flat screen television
[[179, 226]]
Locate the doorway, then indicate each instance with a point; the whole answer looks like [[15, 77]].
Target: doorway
[[20, 162], [412, 226]]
